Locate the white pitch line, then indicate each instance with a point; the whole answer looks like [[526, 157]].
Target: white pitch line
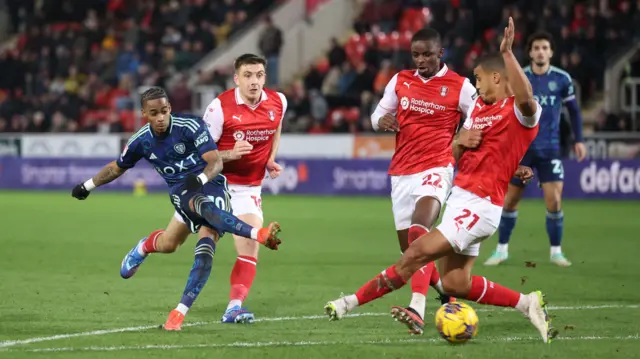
[[307, 343], [11, 343]]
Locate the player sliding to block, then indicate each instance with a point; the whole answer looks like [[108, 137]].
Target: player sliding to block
[[423, 107], [507, 115], [182, 151]]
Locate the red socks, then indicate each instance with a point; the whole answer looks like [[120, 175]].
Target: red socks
[[420, 279], [487, 292], [383, 283], [149, 245], [242, 275]]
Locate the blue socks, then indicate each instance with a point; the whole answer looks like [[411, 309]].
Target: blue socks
[[507, 223], [205, 249], [555, 226], [222, 220]]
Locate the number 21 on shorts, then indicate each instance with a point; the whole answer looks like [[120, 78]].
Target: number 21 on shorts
[[467, 219]]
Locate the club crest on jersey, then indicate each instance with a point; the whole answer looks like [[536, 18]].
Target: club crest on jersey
[[404, 102], [444, 90], [272, 115], [238, 135], [180, 148], [553, 86]]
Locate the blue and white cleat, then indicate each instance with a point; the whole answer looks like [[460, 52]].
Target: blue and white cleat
[[132, 261], [238, 315]]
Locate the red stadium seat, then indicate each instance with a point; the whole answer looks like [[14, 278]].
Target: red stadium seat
[[351, 115]]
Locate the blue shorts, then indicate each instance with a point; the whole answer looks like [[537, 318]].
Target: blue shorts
[[217, 192], [548, 167]]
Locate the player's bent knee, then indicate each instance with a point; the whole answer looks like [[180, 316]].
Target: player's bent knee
[[246, 246]]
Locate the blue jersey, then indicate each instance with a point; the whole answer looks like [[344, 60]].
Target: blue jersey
[[175, 155], [551, 90]]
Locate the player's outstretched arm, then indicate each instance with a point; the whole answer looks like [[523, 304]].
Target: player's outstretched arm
[[107, 174], [520, 85]]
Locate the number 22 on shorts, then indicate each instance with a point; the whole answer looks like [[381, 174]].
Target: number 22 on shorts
[[467, 218], [432, 179]]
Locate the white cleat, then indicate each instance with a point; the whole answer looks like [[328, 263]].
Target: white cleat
[[539, 317], [496, 258], [560, 260], [336, 309]]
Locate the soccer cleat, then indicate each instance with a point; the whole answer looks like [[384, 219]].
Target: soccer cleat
[[336, 309], [444, 299], [496, 258], [410, 318], [132, 261], [539, 316], [269, 236], [560, 260], [174, 322], [238, 315]]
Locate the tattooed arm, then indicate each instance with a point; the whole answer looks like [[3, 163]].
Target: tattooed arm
[[108, 173]]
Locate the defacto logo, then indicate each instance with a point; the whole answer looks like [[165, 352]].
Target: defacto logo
[[421, 106], [612, 179]]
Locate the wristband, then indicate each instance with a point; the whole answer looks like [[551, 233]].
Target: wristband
[[203, 178], [89, 185]]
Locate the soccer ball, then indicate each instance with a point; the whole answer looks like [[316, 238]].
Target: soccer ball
[[457, 322]]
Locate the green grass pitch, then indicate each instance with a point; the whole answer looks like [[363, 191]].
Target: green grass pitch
[[61, 295]]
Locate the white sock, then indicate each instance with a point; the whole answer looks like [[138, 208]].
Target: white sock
[[254, 234], [352, 302], [523, 304], [182, 309], [502, 248], [438, 287], [556, 250], [233, 303], [418, 302]]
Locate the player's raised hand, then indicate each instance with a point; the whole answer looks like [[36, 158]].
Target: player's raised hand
[[524, 173], [580, 150], [80, 192], [470, 138], [274, 169], [240, 149], [509, 35], [389, 122]]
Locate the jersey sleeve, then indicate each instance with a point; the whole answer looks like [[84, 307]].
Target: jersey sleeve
[[568, 91], [388, 103], [202, 139], [214, 118], [283, 99], [131, 154], [528, 121], [467, 97]]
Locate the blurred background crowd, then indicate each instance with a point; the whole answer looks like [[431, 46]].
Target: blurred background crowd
[[74, 65]]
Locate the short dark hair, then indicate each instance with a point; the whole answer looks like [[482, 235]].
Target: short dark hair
[[540, 35], [427, 34], [249, 59], [491, 62], [153, 93]]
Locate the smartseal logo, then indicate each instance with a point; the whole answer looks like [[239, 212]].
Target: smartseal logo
[[361, 180], [612, 179]]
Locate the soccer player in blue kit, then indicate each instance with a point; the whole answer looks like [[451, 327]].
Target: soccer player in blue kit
[[553, 89], [184, 154]]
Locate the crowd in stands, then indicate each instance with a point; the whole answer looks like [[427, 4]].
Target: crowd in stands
[[76, 63], [338, 94]]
